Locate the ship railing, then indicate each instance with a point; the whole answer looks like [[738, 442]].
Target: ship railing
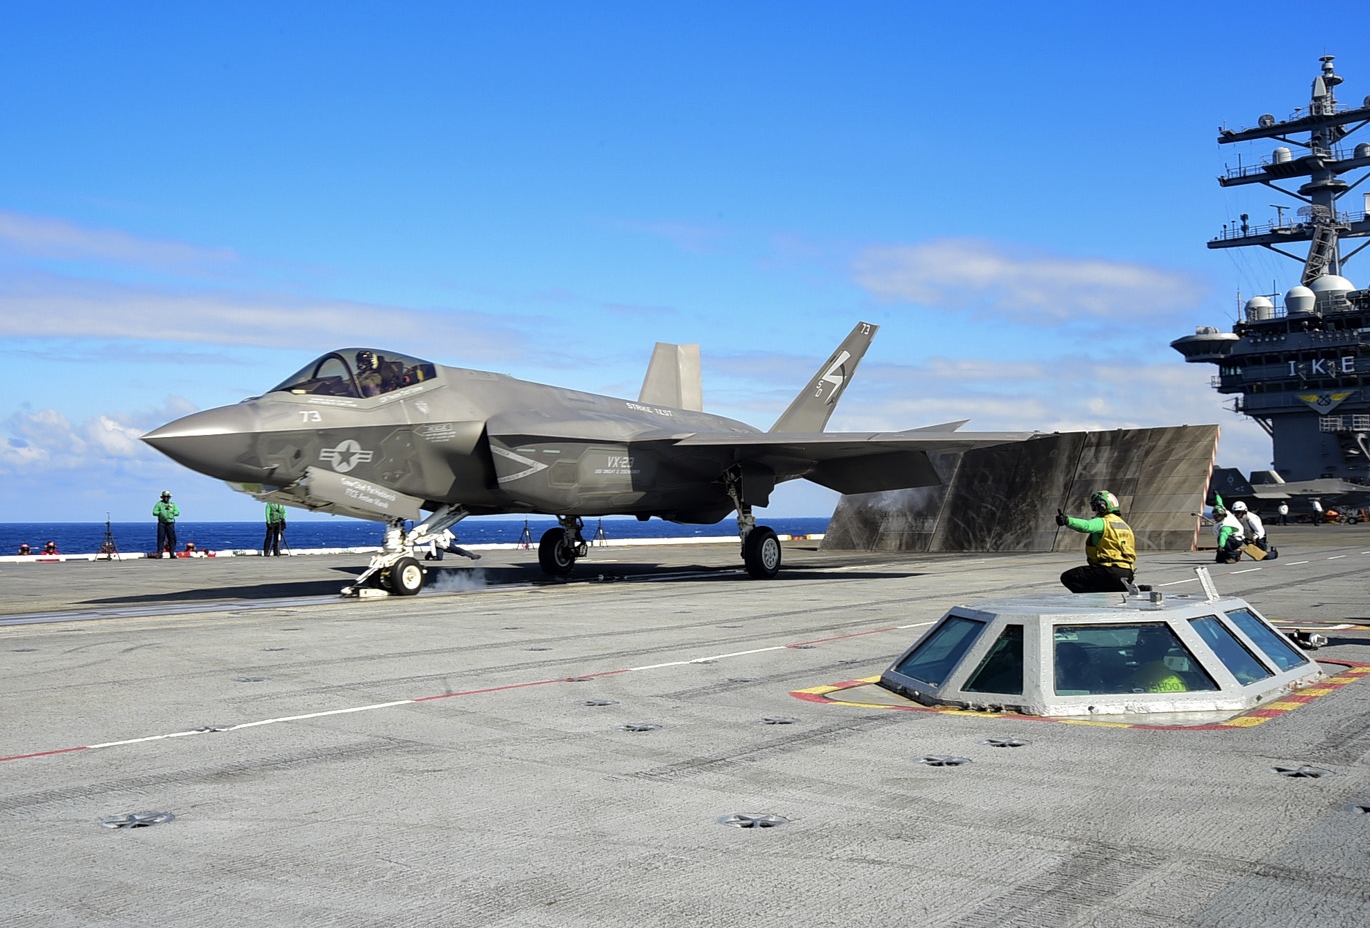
[[1235, 231], [1263, 403], [1247, 170], [1344, 424], [1324, 109]]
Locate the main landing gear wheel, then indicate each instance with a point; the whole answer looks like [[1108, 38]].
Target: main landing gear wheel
[[406, 577], [554, 554], [761, 553]]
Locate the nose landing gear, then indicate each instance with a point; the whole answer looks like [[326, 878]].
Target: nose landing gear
[[395, 569]]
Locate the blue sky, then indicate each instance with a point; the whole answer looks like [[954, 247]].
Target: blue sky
[[196, 199]]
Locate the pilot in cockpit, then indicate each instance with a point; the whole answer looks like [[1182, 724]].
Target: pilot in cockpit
[[368, 373], [392, 373]]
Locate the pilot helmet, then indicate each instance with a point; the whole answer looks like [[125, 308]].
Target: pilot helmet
[[1102, 501], [1238, 507], [366, 361]]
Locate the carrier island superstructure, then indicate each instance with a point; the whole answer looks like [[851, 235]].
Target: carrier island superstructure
[[1300, 365]]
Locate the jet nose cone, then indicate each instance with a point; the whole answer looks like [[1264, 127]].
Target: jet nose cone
[[217, 442]]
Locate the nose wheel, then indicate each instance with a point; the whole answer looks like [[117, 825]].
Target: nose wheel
[[394, 569], [405, 578]]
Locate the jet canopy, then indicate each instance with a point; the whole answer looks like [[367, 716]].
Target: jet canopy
[[357, 373]]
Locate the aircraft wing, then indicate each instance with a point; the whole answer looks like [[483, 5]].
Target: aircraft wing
[[1327, 487], [854, 462]]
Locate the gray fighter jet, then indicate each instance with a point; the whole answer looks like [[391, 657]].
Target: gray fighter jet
[[384, 436], [1267, 489]]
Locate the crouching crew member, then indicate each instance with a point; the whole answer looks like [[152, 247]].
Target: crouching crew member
[[1230, 534], [1254, 529], [1110, 549]]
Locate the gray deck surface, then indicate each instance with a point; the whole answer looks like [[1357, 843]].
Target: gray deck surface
[[511, 802]]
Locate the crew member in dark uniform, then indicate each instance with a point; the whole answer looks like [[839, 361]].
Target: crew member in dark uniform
[[1110, 549]]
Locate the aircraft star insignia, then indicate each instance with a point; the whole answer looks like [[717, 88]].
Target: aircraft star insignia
[[346, 455]]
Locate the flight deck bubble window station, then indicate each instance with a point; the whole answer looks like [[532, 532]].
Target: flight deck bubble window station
[[1090, 654]]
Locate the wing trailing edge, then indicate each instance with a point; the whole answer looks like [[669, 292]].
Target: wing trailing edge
[[854, 462]]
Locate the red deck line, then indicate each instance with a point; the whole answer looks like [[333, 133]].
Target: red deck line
[[42, 754]]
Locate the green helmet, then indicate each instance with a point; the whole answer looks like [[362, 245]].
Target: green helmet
[[1102, 501]]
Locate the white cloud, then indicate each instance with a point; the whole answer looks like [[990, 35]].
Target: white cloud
[[46, 237], [1048, 396], [46, 439], [42, 305], [37, 304], [112, 439], [980, 276]]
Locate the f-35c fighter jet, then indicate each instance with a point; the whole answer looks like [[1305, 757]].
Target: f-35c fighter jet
[[383, 436]]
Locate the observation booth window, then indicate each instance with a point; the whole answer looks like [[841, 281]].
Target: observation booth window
[[1236, 657], [941, 650], [357, 373], [1001, 671], [1276, 647], [1118, 659]]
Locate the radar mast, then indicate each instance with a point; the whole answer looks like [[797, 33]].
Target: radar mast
[[1302, 369]]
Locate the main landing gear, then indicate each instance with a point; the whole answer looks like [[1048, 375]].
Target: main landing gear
[[760, 544], [559, 547], [395, 569]]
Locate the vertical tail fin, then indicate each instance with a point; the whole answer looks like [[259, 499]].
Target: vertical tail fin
[[673, 378], [1228, 482], [813, 406]]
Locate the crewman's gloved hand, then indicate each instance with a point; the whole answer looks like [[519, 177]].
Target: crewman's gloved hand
[[1061, 518]]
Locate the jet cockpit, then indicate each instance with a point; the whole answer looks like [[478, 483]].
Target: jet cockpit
[[358, 373]]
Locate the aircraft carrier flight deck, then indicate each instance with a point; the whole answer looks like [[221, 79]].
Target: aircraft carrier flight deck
[[227, 739]]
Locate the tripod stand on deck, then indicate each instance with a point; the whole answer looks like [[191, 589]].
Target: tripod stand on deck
[[109, 551]]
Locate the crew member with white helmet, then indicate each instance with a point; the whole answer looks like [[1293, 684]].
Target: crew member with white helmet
[[1230, 533], [1254, 528]]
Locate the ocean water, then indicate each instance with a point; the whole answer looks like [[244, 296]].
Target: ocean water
[[141, 537]]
